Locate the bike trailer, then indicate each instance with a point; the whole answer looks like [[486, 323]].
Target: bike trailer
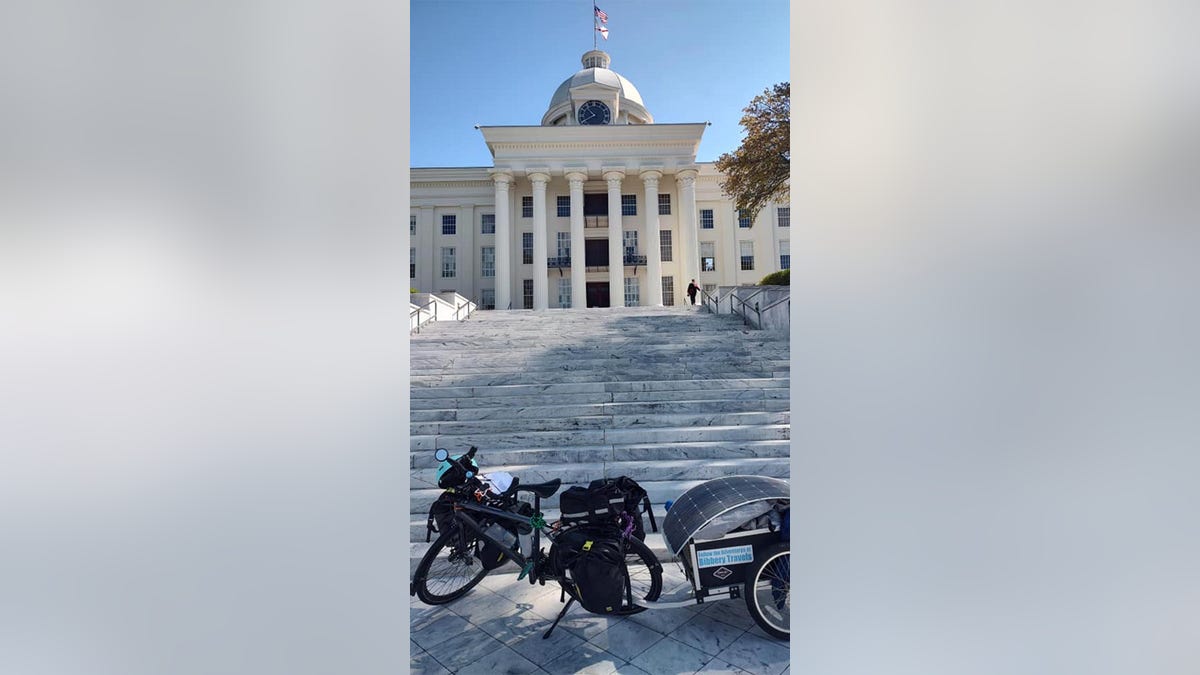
[[720, 527]]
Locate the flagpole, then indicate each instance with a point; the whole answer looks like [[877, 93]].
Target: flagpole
[[595, 46]]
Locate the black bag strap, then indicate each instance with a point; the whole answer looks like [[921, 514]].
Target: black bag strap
[[430, 528], [650, 511]]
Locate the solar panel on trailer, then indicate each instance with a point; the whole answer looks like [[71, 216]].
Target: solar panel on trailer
[[710, 499]]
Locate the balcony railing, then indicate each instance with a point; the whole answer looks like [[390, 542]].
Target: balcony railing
[[595, 221], [558, 263], [632, 260]]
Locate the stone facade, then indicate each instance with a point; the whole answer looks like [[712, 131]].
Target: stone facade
[[597, 182]]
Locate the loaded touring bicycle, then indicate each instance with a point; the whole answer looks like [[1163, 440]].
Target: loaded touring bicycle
[[729, 535]]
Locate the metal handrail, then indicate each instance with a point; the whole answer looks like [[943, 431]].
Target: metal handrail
[[773, 305], [705, 296], [467, 306], [417, 314]]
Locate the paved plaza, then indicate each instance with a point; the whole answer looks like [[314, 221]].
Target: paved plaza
[[498, 627]]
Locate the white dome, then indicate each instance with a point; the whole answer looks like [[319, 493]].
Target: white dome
[[630, 100]]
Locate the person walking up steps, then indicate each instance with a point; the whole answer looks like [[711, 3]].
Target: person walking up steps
[[691, 291]]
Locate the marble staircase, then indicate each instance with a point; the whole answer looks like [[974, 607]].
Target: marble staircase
[[669, 396]]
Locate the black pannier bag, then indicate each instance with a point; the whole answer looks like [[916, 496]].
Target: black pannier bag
[[586, 505], [595, 567], [635, 501], [490, 555], [604, 498], [440, 515]]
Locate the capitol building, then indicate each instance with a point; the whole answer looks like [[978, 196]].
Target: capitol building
[[599, 205]]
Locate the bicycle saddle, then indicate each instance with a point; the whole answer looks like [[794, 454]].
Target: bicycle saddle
[[543, 490]]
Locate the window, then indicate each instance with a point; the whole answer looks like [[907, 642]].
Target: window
[[448, 267], [412, 225], [746, 250], [564, 292], [487, 299], [710, 288], [564, 207], [706, 219], [527, 248], [708, 258], [527, 206], [487, 223], [664, 204], [629, 242], [743, 218], [664, 245], [412, 263], [527, 287], [449, 224], [564, 244], [668, 286], [784, 214], [631, 292], [488, 262], [785, 255], [629, 205]]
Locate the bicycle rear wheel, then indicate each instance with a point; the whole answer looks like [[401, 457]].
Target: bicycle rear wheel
[[449, 569]]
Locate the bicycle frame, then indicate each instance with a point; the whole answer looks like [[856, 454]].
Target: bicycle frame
[[460, 516]]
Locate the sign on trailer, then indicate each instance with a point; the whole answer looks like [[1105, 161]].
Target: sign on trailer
[[732, 555]]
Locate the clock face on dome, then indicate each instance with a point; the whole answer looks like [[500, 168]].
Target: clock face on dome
[[594, 112]]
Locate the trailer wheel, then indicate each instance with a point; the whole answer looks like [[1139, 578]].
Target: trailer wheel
[[769, 592]]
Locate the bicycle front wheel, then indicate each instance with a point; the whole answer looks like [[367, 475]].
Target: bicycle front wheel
[[449, 569], [769, 591]]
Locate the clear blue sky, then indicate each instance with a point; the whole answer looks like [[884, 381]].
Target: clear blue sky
[[498, 62]]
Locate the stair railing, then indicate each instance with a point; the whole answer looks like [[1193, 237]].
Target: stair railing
[[745, 313], [416, 313], [469, 306], [705, 297]]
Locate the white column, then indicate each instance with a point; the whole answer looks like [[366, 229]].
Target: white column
[[688, 226], [578, 245], [503, 179], [652, 296], [468, 256], [616, 247], [541, 298], [429, 274]]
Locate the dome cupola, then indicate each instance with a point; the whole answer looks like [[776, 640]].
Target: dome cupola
[[596, 95]]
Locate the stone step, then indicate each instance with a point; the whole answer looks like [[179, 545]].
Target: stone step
[[591, 437], [579, 473], [560, 363], [503, 402], [602, 376], [593, 409], [519, 424], [492, 459], [551, 389]]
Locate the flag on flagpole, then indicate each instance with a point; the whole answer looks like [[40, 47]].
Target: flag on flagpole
[[603, 31], [600, 14]]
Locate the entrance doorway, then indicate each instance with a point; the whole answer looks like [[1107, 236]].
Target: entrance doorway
[[595, 252], [597, 294]]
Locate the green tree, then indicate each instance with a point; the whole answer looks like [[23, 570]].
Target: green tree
[[780, 278], [757, 172]]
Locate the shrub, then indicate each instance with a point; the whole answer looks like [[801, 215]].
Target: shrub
[[780, 278]]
